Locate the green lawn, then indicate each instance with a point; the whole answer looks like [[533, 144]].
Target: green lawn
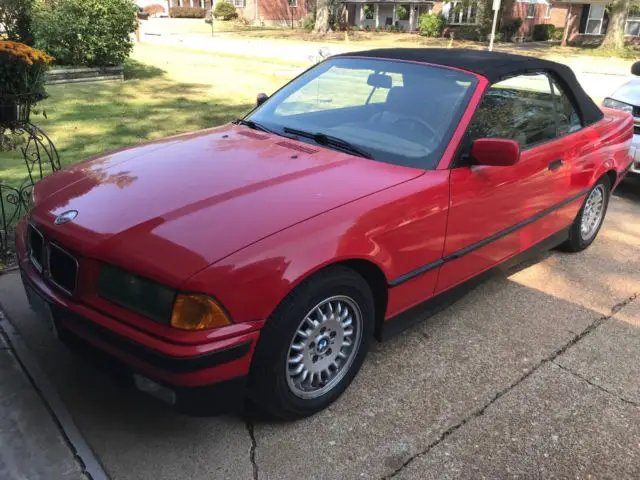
[[167, 91]]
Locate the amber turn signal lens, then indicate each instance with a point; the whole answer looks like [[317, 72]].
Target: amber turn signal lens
[[197, 312]]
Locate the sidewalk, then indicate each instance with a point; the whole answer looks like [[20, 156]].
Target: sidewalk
[[32, 445]]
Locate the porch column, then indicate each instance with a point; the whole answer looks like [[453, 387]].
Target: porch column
[[361, 15], [191, 3], [393, 16], [412, 17], [376, 14]]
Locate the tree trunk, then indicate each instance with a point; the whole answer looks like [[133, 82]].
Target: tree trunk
[[322, 17], [568, 23], [617, 19]]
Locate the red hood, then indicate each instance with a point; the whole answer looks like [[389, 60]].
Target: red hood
[[175, 206]]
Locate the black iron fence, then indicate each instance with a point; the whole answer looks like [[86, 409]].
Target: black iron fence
[[39, 157]]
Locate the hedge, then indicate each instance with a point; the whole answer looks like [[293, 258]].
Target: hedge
[[187, 12], [542, 32]]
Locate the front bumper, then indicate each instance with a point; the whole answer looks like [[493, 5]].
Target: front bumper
[[208, 376]]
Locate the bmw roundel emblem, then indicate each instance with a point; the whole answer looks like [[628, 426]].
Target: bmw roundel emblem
[[65, 217]]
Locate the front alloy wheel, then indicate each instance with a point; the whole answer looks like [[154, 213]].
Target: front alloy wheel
[[324, 346], [313, 344]]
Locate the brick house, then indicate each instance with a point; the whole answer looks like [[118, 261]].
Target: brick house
[[585, 21], [259, 12]]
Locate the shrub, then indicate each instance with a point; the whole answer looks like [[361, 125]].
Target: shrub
[[16, 18], [542, 32], [225, 10], [187, 12], [431, 24], [22, 70], [309, 22], [557, 34], [94, 33], [510, 27], [154, 9]]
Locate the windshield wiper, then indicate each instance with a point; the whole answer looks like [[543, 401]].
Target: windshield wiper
[[329, 141], [252, 124]]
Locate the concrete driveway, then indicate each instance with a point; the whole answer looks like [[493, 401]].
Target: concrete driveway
[[534, 374]]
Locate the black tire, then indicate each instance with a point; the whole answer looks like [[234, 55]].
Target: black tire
[[269, 390], [576, 242]]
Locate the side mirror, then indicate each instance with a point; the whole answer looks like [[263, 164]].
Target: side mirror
[[496, 152], [635, 68], [261, 98]]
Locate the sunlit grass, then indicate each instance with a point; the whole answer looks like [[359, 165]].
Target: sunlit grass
[[167, 91]]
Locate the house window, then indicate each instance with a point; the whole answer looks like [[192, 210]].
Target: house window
[[239, 3], [547, 12], [461, 13], [293, 3], [632, 26], [594, 20], [531, 9]]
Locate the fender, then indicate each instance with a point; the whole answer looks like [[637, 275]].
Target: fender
[[408, 219]]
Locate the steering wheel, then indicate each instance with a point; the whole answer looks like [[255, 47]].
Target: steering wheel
[[424, 125]]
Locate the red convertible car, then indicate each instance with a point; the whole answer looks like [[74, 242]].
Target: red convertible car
[[257, 260]]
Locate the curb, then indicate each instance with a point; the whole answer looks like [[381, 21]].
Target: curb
[[45, 390]]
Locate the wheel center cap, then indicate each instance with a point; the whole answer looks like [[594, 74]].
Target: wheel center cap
[[321, 345]]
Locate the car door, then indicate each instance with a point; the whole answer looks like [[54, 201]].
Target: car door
[[493, 210]]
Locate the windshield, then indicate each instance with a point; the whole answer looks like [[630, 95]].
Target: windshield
[[397, 112]]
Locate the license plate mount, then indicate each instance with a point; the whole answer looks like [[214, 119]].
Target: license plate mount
[[41, 308]]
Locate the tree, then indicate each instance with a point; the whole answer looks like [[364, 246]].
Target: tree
[[16, 16], [617, 20], [322, 16]]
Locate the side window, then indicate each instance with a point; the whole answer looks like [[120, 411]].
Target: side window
[[519, 108], [568, 118]]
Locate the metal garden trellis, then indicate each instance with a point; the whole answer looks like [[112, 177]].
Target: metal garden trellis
[[40, 158]]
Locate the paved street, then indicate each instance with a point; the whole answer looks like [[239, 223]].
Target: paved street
[[534, 374]]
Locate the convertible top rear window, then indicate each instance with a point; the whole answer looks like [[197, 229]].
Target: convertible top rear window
[[398, 112]]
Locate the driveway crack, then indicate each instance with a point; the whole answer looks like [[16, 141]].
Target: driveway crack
[[599, 387], [254, 445], [550, 358]]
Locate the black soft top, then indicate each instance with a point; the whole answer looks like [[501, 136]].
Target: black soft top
[[494, 66]]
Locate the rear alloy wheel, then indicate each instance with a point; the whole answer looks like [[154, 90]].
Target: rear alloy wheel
[[313, 345], [589, 220]]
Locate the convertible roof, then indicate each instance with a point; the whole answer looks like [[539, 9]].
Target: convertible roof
[[494, 66]]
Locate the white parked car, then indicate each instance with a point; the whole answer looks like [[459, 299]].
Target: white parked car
[[627, 98]]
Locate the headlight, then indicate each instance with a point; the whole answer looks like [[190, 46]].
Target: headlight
[[186, 311], [611, 103], [138, 294]]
